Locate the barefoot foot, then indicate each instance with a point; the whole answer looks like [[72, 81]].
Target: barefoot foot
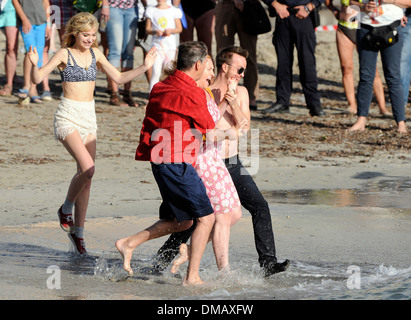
[[184, 256], [359, 125], [356, 128], [192, 282], [126, 254], [402, 128]]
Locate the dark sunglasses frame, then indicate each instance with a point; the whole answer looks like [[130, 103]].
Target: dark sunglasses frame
[[239, 70]]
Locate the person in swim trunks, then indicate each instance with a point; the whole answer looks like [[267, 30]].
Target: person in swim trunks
[[175, 123], [75, 119]]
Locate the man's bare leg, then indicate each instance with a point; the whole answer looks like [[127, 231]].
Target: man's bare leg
[[161, 228]]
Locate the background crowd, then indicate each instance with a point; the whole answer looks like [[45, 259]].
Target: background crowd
[[219, 22]]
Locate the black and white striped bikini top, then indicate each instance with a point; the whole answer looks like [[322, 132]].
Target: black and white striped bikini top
[[74, 73]]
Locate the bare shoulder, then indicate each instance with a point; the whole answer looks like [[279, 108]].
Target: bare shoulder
[[61, 53], [98, 53], [60, 58], [101, 59], [242, 90], [242, 93]]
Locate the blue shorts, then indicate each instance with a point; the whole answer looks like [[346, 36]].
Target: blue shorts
[[183, 192], [36, 38]]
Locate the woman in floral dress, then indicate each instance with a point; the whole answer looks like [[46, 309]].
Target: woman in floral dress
[[217, 180]]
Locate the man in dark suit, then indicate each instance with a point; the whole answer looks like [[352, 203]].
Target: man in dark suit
[[294, 27]]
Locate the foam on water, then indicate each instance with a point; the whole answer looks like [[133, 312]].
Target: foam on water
[[302, 280], [376, 282], [103, 271]]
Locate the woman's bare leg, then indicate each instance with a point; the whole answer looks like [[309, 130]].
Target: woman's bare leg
[[82, 199], [10, 58], [221, 239], [221, 236], [84, 157], [185, 250], [346, 54], [199, 241], [205, 28]]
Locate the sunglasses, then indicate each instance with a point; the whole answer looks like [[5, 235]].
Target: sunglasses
[[239, 70]]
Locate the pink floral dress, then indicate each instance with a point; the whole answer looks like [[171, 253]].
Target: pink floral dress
[[211, 169]]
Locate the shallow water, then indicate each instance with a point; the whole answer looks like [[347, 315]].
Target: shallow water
[[303, 280], [381, 194], [342, 244], [101, 277]]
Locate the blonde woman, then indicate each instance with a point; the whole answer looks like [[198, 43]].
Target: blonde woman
[[75, 119]]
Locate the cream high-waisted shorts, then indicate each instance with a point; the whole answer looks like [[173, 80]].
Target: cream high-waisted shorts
[[75, 115]]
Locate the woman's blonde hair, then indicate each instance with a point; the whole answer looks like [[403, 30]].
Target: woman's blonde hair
[[81, 22]]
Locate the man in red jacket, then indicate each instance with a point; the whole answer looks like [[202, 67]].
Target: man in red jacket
[[176, 120]]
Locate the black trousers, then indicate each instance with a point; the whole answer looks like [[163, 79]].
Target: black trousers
[[252, 200], [289, 33]]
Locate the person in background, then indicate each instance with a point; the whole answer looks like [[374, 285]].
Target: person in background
[[103, 15], [228, 23], [373, 17], [200, 16], [346, 44], [8, 24], [65, 10], [32, 16], [146, 42], [121, 32], [405, 64], [163, 22], [295, 28]]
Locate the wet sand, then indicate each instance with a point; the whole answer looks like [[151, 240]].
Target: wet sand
[[327, 229], [337, 200]]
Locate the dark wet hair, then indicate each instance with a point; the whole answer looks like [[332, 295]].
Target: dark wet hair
[[225, 55]]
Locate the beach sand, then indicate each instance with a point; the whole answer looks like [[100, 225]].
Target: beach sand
[[337, 199]]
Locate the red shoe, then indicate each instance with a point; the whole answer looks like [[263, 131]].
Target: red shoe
[[78, 243], [66, 221]]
